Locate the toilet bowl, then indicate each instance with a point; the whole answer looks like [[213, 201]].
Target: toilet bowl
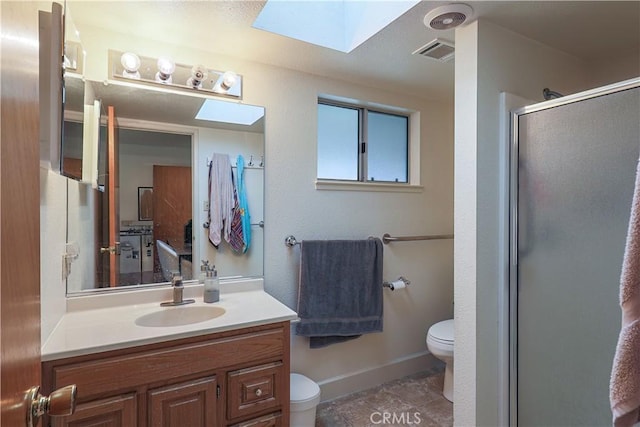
[[440, 344]]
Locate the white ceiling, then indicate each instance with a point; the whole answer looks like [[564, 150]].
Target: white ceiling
[[591, 30]]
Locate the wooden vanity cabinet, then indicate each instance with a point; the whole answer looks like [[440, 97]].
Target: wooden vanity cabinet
[[233, 378]]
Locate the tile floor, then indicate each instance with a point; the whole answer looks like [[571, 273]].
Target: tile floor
[[415, 400]]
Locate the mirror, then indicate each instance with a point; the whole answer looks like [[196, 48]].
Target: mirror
[[74, 101], [72, 127], [162, 189]]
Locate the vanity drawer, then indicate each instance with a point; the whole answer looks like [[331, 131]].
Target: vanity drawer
[[256, 389], [271, 420]]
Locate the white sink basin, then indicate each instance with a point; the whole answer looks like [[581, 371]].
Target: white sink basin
[[181, 315]]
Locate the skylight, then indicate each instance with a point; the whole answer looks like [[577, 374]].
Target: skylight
[[337, 24], [229, 112]]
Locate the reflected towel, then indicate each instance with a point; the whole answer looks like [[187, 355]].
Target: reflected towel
[[340, 290], [236, 238], [220, 198], [244, 204], [624, 389]]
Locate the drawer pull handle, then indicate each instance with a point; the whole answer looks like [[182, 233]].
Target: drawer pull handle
[[258, 392]]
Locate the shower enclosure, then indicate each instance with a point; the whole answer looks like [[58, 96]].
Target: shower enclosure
[[573, 163]]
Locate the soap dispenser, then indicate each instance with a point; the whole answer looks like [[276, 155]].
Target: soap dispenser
[[211, 286], [203, 271]]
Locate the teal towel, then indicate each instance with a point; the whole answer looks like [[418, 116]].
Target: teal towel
[[244, 205], [340, 290]]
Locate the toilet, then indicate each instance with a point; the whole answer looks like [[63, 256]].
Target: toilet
[[440, 344], [305, 396]]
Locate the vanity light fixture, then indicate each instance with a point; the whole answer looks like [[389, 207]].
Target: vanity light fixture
[[166, 67], [198, 74], [131, 63], [225, 82]]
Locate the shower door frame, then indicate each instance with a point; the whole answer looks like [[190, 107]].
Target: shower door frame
[[512, 302]]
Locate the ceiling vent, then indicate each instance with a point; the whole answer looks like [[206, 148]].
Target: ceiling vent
[[438, 49], [448, 16]]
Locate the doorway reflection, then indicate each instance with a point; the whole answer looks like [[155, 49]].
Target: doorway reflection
[[155, 195]]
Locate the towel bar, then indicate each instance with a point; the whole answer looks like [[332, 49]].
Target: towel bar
[[291, 241], [258, 224], [386, 238]]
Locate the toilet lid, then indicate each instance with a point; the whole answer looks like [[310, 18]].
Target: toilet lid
[[302, 388], [442, 331]]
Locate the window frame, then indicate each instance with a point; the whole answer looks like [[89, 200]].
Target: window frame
[[363, 141]]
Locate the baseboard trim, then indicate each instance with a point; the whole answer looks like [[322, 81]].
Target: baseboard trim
[[341, 385]]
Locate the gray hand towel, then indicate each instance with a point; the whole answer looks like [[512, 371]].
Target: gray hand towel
[[340, 290]]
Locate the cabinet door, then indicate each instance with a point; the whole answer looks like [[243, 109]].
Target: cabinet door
[[188, 404], [118, 411]]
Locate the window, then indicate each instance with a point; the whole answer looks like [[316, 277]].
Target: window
[[360, 144]]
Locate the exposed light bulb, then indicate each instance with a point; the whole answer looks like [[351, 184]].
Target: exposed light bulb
[[225, 82], [198, 75], [229, 78], [131, 63], [166, 67]]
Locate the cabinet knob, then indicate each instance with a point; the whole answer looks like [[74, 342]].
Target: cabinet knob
[[258, 392], [59, 403]]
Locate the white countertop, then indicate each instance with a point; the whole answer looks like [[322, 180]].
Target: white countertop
[[86, 331]]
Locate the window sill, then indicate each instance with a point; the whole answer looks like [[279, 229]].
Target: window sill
[[367, 186]]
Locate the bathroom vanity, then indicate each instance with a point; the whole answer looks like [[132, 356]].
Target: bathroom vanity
[[230, 370]]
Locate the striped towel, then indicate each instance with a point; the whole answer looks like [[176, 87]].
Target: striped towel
[[236, 237], [220, 198]]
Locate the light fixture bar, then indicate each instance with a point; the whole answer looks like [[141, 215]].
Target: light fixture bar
[[161, 72]]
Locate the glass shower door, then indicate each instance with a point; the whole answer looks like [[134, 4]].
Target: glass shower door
[[575, 175]]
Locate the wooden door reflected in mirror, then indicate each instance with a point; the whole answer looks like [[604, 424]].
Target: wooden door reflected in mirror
[[172, 206], [145, 203], [108, 251]]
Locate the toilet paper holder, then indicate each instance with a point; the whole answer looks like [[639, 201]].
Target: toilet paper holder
[[399, 283]]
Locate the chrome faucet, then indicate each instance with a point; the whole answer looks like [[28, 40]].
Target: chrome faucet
[[178, 289]]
